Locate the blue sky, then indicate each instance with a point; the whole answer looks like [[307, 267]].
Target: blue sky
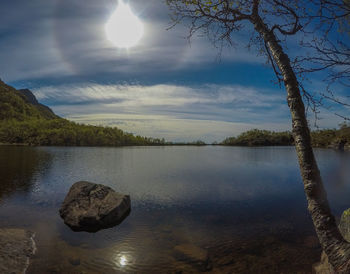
[[163, 87]]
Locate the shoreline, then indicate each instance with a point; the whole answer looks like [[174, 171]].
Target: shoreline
[[15, 144], [346, 149]]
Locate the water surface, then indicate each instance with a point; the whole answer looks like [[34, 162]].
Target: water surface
[[246, 206]]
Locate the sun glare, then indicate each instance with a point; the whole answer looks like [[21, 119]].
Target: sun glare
[[124, 29]]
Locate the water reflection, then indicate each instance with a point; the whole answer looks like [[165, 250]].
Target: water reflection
[[241, 203], [335, 171], [172, 176], [122, 260], [20, 168]]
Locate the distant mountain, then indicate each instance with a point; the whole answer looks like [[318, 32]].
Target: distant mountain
[[23, 120], [21, 105]]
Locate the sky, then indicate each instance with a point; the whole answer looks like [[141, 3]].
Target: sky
[[163, 87]]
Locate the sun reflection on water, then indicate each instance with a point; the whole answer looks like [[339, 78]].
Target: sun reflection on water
[[122, 260]]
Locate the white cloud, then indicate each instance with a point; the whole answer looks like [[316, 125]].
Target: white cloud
[[174, 129], [159, 95], [208, 112], [177, 112]]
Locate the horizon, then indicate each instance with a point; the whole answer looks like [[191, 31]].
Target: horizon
[[162, 87]]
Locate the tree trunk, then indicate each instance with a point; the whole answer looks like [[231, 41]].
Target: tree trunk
[[332, 242]]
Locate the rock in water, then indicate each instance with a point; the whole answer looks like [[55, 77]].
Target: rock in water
[[16, 248], [91, 207]]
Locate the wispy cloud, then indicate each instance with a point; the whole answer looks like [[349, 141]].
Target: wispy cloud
[[158, 95], [173, 129], [210, 112]]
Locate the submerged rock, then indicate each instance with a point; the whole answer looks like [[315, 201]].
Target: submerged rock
[[323, 267], [194, 255], [74, 261], [91, 207], [17, 246]]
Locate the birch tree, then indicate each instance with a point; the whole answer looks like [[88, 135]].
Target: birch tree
[[273, 23]]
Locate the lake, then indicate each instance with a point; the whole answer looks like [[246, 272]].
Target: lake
[[246, 206]]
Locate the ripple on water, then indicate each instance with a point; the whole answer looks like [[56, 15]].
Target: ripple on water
[[250, 222]]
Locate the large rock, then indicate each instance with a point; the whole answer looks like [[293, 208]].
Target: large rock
[[91, 207], [323, 267], [16, 248]]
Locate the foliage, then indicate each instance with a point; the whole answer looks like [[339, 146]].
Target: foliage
[[331, 137], [320, 138], [14, 105], [24, 122], [258, 137], [323, 138], [197, 143], [61, 132]]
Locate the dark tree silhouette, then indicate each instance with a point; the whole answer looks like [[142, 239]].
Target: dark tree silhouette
[[331, 50], [272, 24]]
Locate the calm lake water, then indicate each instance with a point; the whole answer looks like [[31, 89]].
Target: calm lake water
[[246, 206]]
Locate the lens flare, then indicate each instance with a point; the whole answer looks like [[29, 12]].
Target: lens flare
[[123, 261], [124, 29]]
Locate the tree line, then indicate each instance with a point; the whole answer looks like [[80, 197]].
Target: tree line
[[323, 138], [23, 120], [61, 132]]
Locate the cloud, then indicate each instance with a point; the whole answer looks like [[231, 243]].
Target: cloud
[[204, 100], [176, 112], [209, 112], [174, 129], [161, 94], [27, 49], [67, 39]]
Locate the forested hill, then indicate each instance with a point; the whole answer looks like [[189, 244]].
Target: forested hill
[[23, 120], [21, 105], [327, 138]]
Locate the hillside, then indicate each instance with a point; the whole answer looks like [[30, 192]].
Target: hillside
[[23, 120], [327, 138], [258, 137], [21, 105]]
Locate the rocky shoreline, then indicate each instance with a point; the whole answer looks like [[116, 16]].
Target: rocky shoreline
[[17, 246]]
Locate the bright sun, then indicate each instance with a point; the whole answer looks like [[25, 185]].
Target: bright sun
[[124, 29]]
